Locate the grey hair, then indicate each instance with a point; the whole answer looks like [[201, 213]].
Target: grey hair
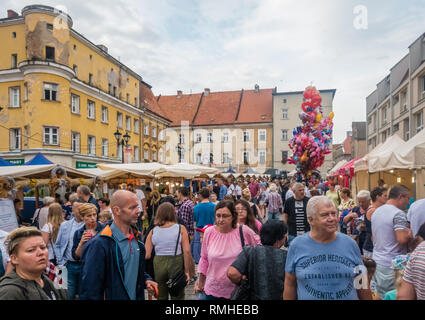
[[84, 190], [363, 194], [47, 201], [314, 202], [297, 185]]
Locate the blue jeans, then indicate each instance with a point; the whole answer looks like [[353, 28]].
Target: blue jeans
[[209, 297], [195, 247], [74, 271], [273, 216]]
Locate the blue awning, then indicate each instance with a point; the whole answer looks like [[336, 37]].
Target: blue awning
[[4, 163], [38, 159], [230, 171]]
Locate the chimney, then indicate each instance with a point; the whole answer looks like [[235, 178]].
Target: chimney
[[206, 92], [179, 93], [12, 14], [103, 47], [257, 88]]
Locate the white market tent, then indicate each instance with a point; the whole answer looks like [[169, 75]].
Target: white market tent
[[41, 171], [411, 155], [382, 159]]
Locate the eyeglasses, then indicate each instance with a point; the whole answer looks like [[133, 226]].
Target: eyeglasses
[[223, 216]]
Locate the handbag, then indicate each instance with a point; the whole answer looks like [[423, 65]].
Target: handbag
[[178, 281], [243, 290]]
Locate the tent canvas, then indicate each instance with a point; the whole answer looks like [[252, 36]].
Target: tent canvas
[[38, 160], [4, 163], [42, 171], [410, 155], [382, 160]]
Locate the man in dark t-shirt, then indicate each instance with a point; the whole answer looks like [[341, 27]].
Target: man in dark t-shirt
[[295, 213]]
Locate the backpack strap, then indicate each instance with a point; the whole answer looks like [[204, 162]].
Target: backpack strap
[[242, 238]]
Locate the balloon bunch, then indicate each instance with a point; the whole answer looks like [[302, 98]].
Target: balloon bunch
[[313, 139]]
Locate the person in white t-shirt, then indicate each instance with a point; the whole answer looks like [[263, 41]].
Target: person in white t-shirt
[[5, 259]]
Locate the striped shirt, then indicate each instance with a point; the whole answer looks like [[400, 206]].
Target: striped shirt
[[185, 212], [415, 271]]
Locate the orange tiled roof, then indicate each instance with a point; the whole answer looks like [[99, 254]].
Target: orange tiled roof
[[150, 102], [180, 109], [218, 108], [256, 106]]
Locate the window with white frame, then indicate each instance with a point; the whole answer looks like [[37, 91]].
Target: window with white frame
[[91, 111], [406, 126], [419, 121], [285, 114], [403, 101], [245, 136], [198, 138], [128, 123], [153, 132], [136, 154], [50, 91], [91, 145], [75, 142], [198, 158], [146, 129], [119, 151], [246, 157], [285, 135], [105, 144], [15, 139], [119, 120], [209, 137], [262, 135], [14, 61], [181, 138], [14, 99], [226, 157], [105, 116], [384, 115], [51, 136], [262, 156], [136, 125], [146, 154], [161, 135], [225, 137], [154, 155], [75, 103]]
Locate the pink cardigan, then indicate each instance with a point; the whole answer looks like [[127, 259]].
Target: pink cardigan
[[218, 252]]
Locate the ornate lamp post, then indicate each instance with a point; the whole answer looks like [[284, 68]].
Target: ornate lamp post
[[123, 142]]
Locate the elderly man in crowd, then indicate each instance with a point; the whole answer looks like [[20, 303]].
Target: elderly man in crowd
[[321, 264]]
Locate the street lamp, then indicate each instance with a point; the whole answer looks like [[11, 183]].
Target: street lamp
[[123, 142]]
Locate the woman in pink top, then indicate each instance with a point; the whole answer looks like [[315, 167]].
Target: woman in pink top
[[246, 217], [221, 246]]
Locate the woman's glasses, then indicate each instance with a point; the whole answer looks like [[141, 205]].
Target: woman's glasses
[[223, 216]]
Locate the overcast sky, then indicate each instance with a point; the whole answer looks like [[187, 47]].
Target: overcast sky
[[190, 45]]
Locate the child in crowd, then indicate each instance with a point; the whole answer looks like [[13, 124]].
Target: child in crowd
[[105, 216], [370, 265], [399, 264]]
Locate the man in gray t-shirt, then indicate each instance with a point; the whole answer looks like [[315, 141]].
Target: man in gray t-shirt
[[391, 234]]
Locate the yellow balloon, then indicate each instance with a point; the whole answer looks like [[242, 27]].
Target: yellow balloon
[[318, 117], [331, 115]]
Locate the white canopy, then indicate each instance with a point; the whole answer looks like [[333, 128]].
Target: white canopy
[[41, 171], [382, 160], [139, 169], [410, 155]]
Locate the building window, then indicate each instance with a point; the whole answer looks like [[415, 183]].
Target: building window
[[105, 117], [14, 99], [105, 147], [50, 53], [419, 121], [285, 114], [135, 102], [15, 139], [153, 132], [262, 135], [161, 157], [91, 145], [406, 126], [384, 115], [75, 103], [14, 61], [181, 138], [51, 136], [262, 156], [226, 158], [14, 35], [396, 99], [49, 26], [284, 100], [75, 47], [136, 154], [198, 158], [75, 68], [154, 155], [285, 135], [245, 136], [423, 88], [284, 156], [90, 79], [146, 129], [25, 91], [146, 154], [225, 137], [127, 123], [246, 157], [404, 101], [119, 151], [109, 88], [119, 120], [209, 137], [396, 127], [75, 142], [114, 92], [91, 111], [161, 135], [136, 126], [369, 120], [198, 138], [50, 91]]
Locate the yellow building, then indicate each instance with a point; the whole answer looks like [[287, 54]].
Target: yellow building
[[64, 96]]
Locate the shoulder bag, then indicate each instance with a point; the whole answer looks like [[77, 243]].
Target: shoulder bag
[[178, 281], [243, 290]]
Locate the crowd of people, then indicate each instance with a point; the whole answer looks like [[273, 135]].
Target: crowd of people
[[258, 239]]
